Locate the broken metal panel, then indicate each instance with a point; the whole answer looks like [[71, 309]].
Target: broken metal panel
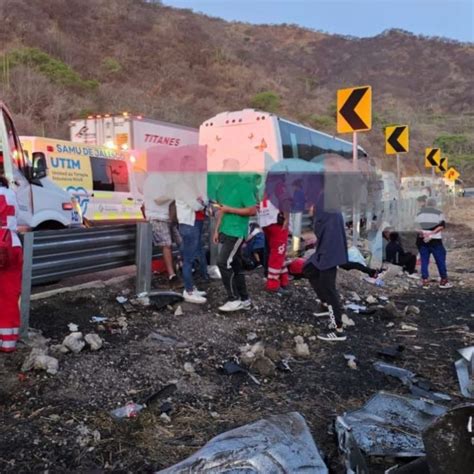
[[279, 444], [389, 425], [466, 383]]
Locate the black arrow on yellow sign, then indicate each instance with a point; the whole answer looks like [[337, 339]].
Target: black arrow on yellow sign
[[393, 139], [431, 156], [443, 166], [348, 109]]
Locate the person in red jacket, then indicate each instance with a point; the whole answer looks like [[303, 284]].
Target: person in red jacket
[[273, 217], [11, 263]]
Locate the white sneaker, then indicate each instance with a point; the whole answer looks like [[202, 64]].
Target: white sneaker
[[193, 297], [198, 292], [414, 276], [230, 306], [246, 304]]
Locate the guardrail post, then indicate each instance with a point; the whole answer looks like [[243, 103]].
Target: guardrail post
[[143, 257], [28, 239]]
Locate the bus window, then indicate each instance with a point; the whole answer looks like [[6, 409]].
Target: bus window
[[13, 143], [109, 175], [296, 141]]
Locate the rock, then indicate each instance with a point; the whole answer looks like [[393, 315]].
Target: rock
[[189, 368], [390, 325], [94, 341], [165, 418], [74, 342], [48, 363], [412, 310], [346, 321], [392, 309], [272, 354], [355, 296], [179, 311], [143, 300], [247, 357], [371, 299], [73, 327], [258, 349], [29, 362], [36, 339], [251, 336], [263, 365], [301, 349]]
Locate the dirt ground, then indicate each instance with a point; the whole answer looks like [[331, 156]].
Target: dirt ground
[[61, 423]]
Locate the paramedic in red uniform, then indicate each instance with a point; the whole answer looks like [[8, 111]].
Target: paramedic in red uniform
[[273, 218], [11, 261]]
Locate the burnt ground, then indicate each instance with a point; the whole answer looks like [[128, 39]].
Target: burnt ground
[[60, 423]]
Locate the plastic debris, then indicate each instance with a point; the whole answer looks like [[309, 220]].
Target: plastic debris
[[408, 327], [351, 361], [74, 342], [465, 371], [73, 327], [387, 425], [94, 340], [178, 311], [130, 410], [122, 299], [356, 307], [412, 310], [39, 360], [371, 299], [98, 319], [278, 444]]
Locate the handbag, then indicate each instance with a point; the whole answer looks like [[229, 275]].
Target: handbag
[[5, 248]]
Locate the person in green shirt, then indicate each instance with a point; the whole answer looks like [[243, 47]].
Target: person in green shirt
[[236, 198]]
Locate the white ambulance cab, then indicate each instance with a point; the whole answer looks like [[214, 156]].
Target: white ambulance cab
[[41, 203], [99, 178]]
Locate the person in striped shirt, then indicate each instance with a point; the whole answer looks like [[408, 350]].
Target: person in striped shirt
[[431, 223]]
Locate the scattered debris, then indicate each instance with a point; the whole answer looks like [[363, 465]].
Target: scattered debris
[[98, 319], [448, 441], [178, 311], [73, 327], [165, 418], [411, 310], [351, 361], [263, 365], [231, 367], [74, 342], [393, 352], [39, 360], [164, 392], [301, 349], [251, 336], [121, 299], [392, 309], [189, 368], [130, 410], [387, 425], [390, 325], [418, 386], [356, 308], [408, 327], [281, 443], [94, 340], [355, 296], [346, 321], [161, 299], [371, 299], [162, 339], [283, 366], [465, 371]]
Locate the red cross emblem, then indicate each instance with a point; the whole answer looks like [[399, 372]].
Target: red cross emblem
[[5, 210]]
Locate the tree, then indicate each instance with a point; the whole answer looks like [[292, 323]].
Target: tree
[[268, 101]]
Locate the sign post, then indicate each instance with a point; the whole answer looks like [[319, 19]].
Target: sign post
[[354, 114]]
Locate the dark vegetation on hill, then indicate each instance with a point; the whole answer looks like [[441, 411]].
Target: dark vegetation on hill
[[62, 59]]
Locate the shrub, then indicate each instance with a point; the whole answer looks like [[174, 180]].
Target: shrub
[[268, 101], [111, 66]]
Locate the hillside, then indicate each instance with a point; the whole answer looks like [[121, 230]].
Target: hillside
[[65, 58]]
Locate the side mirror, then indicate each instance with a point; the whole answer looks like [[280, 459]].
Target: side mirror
[[40, 168]]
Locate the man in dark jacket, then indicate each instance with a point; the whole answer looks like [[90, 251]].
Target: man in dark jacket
[[395, 254], [321, 268]]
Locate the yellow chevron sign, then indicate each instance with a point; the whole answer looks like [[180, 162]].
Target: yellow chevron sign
[[396, 139], [432, 157]]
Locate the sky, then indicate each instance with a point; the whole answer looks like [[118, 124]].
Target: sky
[[448, 18]]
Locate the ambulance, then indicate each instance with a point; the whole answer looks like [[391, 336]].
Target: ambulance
[[99, 178], [42, 204]]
